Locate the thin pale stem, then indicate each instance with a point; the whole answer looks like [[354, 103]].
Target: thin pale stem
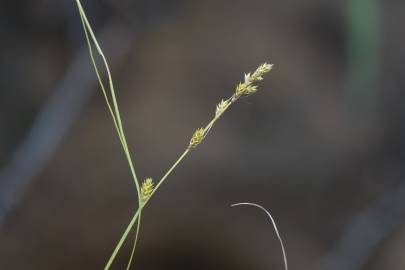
[[274, 226]]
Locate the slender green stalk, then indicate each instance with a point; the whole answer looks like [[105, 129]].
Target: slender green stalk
[[107, 100], [134, 245], [114, 110], [122, 239]]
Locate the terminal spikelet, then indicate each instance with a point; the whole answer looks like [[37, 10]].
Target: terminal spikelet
[[247, 87]]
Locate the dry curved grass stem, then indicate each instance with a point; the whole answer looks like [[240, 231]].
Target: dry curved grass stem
[[274, 226]]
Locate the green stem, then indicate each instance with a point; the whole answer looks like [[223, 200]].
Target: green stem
[[134, 245], [114, 110], [364, 63], [114, 113]]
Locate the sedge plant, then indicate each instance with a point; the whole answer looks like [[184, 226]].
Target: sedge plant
[[147, 188]]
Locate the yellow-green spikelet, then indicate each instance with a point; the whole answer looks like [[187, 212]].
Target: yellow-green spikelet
[[146, 189], [198, 136]]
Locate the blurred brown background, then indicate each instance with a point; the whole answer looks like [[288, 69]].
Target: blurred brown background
[[319, 145]]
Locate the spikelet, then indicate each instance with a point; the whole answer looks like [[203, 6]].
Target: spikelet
[[247, 87], [197, 138], [146, 189], [251, 89], [247, 78], [260, 71], [221, 107], [240, 89]]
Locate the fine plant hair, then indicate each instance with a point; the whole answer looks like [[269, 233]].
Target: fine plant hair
[[147, 188]]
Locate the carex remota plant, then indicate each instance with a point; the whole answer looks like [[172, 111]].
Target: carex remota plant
[[147, 188]]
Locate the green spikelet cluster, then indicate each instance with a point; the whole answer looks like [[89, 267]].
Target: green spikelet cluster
[[248, 87], [147, 189]]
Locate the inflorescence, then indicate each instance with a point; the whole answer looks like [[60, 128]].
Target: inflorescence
[[245, 88]]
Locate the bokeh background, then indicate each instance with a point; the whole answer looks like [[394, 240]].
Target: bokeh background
[[319, 145]]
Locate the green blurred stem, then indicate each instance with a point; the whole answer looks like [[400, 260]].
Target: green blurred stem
[[363, 49]]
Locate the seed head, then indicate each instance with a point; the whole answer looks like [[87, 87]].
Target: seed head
[[250, 89], [197, 138], [260, 71], [221, 107], [146, 189], [240, 89], [247, 87]]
